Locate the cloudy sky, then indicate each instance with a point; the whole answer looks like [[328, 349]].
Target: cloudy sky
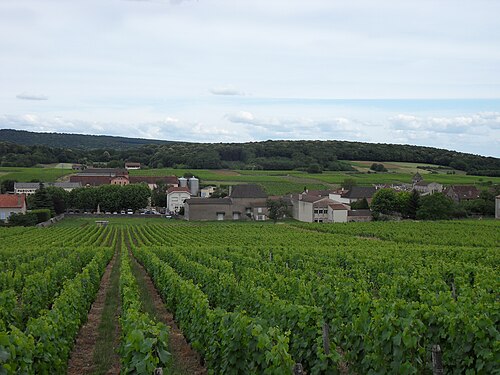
[[423, 72]]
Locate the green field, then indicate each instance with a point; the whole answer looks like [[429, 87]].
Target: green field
[[274, 182], [256, 298], [29, 174]]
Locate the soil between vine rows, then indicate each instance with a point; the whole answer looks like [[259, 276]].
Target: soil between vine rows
[[82, 356]]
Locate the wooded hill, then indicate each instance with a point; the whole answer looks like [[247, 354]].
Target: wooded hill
[[271, 155], [62, 140]]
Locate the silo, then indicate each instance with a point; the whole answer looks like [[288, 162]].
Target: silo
[[194, 186], [183, 182]]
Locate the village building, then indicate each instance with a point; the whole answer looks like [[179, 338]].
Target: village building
[[207, 191], [245, 202], [426, 188], [354, 194], [99, 176], [119, 180], [250, 200], [417, 177], [203, 209], [176, 196], [359, 216], [10, 204], [117, 176], [316, 209], [131, 165], [154, 181], [77, 167], [29, 188], [461, 193]]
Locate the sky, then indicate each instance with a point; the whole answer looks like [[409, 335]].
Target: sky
[[423, 72]]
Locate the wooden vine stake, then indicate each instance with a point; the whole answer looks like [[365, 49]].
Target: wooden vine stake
[[437, 360], [326, 338]]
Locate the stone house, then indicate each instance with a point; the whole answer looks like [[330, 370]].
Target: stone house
[[460, 193], [210, 209], [425, 188]]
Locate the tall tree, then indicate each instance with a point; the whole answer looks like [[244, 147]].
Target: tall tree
[[42, 199]]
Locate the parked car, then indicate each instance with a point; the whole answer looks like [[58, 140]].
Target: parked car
[[130, 212], [122, 212]]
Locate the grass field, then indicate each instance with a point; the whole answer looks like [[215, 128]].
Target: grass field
[[274, 182], [28, 174]]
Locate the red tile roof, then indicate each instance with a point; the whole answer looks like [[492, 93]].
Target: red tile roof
[[12, 200]]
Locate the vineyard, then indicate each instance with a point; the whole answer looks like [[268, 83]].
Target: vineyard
[[367, 298]]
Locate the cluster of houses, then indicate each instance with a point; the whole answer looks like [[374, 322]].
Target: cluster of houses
[[244, 202]]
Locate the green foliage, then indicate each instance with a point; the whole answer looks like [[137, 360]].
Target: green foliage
[[348, 183], [110, 197], [435, 206], [378, 167], [28, 219], [7, 186], [360, 205], [42, 214], [144, 343], [385, 201], [270, 155], [60, 198], [41, 199], [314, 168], [278, 209]]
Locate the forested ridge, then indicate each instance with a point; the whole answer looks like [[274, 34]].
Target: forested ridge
[[271, 155]]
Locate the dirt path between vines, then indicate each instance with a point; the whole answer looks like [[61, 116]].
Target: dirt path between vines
[[186, 360], [82, 356]]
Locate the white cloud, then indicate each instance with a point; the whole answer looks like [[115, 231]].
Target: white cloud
[[465, 124], [29, 96], [227, 90]]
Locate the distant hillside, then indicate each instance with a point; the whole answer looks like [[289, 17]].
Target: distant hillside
[[22, 148], [63, 140]]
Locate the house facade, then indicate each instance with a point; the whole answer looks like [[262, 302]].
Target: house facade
[[176, 196], [316, 209], [11, 203], [204, 209]]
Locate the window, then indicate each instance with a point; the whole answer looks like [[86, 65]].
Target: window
[[259, 210], [220, 216]]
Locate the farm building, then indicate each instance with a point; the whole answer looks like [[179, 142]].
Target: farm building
[[30, 188], [176, 196], [11, 203], [244, 202]]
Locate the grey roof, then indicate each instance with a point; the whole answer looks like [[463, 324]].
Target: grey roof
[[102, 172], [208, 201], [311, 198], [359, 213], [248, 191], [360, 192], [36, 185]]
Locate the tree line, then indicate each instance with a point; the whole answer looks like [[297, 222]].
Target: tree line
[[312, 156]]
